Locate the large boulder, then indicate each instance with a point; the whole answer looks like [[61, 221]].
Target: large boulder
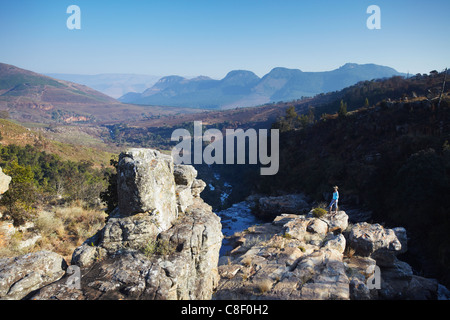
[[197, 187], [373, 240], [21, 275], [146, 184], [337, 222]]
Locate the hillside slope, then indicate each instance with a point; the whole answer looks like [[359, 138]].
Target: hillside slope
[[32, 97], [13, 133]]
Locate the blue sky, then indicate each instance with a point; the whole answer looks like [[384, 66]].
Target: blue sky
[[197, 37]]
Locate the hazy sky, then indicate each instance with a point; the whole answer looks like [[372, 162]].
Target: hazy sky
[[197, 37]]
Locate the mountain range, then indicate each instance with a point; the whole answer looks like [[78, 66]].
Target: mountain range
[[242, 88]]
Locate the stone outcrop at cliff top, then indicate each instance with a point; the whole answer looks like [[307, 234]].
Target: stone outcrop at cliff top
[[162, 242], [310, 258]]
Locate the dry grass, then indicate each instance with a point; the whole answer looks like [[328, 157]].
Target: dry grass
[[247, 261], [349, 252], [62, 229], [265, 285]]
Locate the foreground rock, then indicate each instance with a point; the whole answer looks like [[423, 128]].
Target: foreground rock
[[21, 275], [182, 266], [155, 245], [309, 258]]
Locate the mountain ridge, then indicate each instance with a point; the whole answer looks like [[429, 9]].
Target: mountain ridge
[[243, 88]]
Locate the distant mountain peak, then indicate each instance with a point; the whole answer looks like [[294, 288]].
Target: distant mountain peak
[[240, 73], [171, 79], [240, 77], [283, 72], [349, 66]]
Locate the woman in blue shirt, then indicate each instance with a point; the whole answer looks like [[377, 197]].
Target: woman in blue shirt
[[334, 201]]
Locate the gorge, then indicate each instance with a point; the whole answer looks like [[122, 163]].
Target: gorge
[[163, 242]]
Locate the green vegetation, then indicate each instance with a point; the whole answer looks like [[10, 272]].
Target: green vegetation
[[157, 247], [109, 196], [21, 196], [342, 109], [287, 236], [292, 120], [319, 212], [41, 178]]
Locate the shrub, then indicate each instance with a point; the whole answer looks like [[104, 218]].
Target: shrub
[[265, 285], [319, 212], [157, 247]]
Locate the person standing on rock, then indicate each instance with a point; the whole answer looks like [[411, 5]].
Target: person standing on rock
[[334, 201]]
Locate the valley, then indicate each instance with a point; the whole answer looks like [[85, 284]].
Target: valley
[[390, 128]]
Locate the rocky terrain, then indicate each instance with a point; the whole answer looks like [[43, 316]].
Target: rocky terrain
[[163, 242], [320, 258]]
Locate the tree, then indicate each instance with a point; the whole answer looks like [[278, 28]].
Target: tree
[[109, 196], [289, 122], [342, 109], [22, 194]]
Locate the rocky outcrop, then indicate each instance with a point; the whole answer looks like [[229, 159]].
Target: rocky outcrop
[[311, 258], [21, 275], [146, 184], [162, 242], [373, 240], [294, 257]]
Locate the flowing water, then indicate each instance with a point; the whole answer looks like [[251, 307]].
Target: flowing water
[[236, 218]]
